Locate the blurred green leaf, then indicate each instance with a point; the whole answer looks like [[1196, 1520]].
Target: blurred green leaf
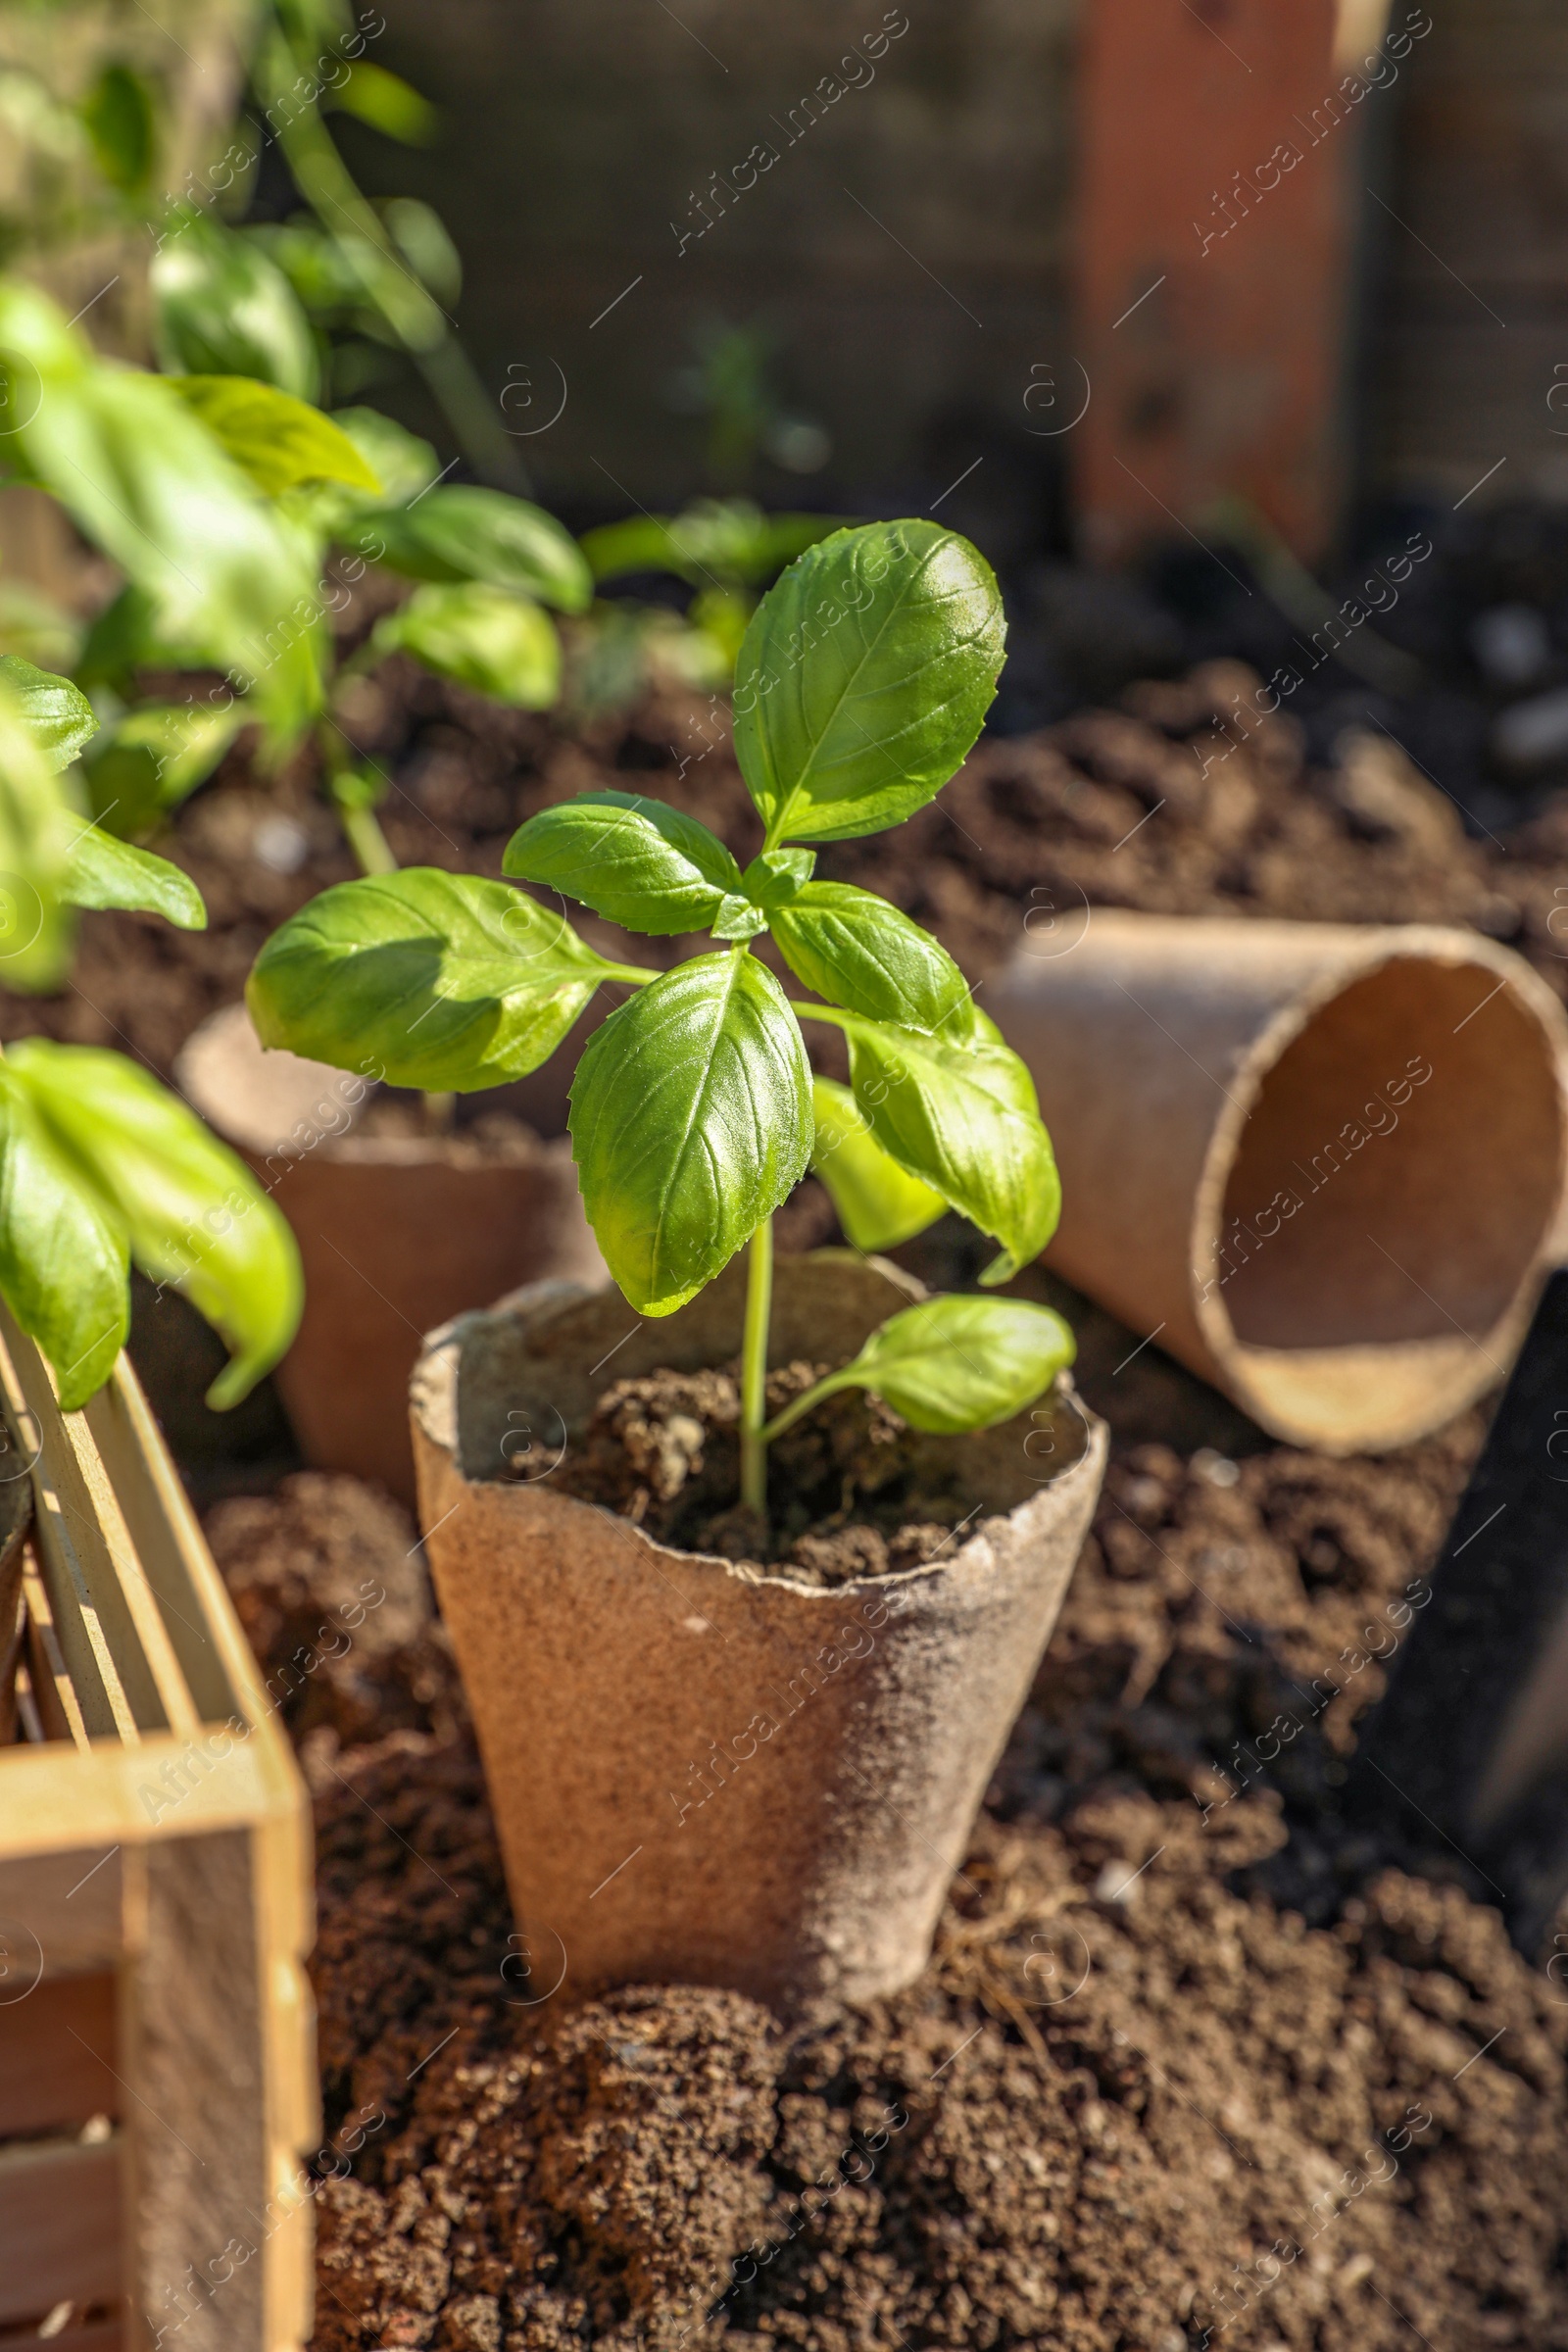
[[145, 479], [105, 872], [36, 834], [121, 120], [386, 102], [405, 464], [142, 1171], [482, 637], [140, 769], [37, 628], [279, 441], [419, 235], [58, 715], [65, 1256], [221, 307], [472, 535]]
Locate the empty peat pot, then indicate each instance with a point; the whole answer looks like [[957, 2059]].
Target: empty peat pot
[[397, 1234], [700, 1773], [1320, 1164]]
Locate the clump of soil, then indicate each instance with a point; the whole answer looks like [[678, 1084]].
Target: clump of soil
[[854, 1489], [1196, 2052]]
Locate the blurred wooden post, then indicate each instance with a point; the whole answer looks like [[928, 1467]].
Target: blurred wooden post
[[1220, 155]]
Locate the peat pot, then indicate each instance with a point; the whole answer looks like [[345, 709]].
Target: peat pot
[[396, 1233], [701, 1773], [1321, 1163]]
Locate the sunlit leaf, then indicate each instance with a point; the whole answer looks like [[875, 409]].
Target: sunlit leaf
[[629, 858], [107, 873], [691, 1120], [58, 715], [865, 679], [962, 1116], [279, 441], [441, 981], [955, 1364]]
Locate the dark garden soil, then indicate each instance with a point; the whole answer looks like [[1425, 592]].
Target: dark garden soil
[[1196, 2052], [1192, 2052], [854, 1491]]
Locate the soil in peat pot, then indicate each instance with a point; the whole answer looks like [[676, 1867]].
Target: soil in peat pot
[[854, 1491], [1192, 2055]]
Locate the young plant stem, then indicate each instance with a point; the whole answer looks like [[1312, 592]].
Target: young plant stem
[[365, 837], [754, 1368]]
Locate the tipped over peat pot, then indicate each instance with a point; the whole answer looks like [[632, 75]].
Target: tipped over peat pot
[[702, 1771], [1321, 1163], [397, 1234]]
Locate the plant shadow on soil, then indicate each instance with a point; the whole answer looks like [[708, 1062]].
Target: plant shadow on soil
[[1192, 2055]]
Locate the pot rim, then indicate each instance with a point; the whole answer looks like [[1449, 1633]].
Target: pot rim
[[434, 1410]]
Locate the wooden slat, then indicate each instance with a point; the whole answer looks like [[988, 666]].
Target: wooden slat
[[70, 1902], [89, 1558], [57, 2057], [102, 1708], [168, 1542], [55, 1692], [61, 2218], [195, 2043]]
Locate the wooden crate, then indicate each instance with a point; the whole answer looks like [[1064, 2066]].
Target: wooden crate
[[157, 2046]]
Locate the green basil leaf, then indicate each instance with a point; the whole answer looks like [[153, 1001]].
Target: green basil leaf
[[106, 872], [279, 441], [962, 1116], [691, 1120], [65, 1256], [58, 715], [147, 482], [630, 858], [482, 637], [405, 464], [222, 306], [775, 878], [855, 950], [955, 1364], [472, 535], [878, 1204], [738, 917], [865, 679], [154, 757], [194, 1214], [35, 835], [446, 980]]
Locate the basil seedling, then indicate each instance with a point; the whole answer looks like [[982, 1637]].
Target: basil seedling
[[864, 679]]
